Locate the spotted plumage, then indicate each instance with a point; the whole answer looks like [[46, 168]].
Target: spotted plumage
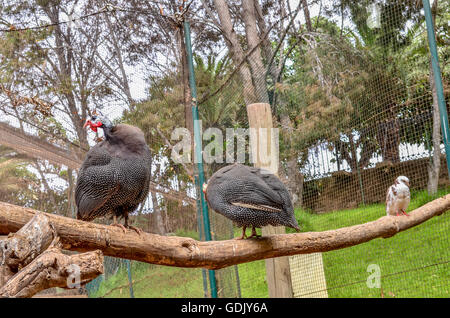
[[115, 175], [250, 197]]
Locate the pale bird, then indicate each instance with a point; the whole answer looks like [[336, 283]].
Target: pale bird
[[398, 197]]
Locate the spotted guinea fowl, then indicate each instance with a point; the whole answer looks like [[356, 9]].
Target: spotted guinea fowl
[[115, 175], [250, 197]]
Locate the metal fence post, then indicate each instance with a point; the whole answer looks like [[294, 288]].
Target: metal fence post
[[438, 80], [130, 280], [198, 150]]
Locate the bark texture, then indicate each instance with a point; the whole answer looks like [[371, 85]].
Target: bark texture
[[31, 260], [54, 269]]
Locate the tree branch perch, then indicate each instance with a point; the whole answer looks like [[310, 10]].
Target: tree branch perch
[[186, 252], [53, 269]]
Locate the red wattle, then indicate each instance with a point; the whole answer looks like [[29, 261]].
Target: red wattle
[[94, 126]]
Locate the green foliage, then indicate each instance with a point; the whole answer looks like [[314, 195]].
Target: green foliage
[[17, 184], [165, 110], [414, 62], [361, 89]]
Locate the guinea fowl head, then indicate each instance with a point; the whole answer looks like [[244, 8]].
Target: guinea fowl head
[[98, 121]]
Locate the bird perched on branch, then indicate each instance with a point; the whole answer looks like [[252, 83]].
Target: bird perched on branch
[[250, 197], [115, 175], [398, 197]]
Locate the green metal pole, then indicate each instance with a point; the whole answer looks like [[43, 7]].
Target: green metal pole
[[130, 280], [200, 234], [198, 148], [438, 80]]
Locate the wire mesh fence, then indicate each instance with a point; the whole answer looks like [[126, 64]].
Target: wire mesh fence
[[351, 90]]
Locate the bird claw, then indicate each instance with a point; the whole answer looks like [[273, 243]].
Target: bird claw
[[254, 234], [136, 229], [128, 227], [243, 236], [403, 212], [120, 226]]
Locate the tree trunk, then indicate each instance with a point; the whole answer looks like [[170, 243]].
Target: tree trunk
[[266, 45], [255, 59], [307, 16], [187, 98], [388, 137], [295, 184], [124, 79], [435, 164], [47, 186], [293, 178], [235, 48], [156, 216], [70, 194]]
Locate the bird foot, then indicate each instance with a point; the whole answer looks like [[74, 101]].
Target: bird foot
[[136, 229], [404, 213], [120, 226], [243, 236], [254, 234]]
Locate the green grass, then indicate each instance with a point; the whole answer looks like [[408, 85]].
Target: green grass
[[412, 263], [153, 281]]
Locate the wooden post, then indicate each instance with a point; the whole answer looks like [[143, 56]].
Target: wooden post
[[264, 152]]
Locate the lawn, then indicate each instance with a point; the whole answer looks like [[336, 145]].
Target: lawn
[[413, 263]]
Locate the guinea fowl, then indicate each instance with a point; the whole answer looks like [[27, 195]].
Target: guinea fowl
[[115, 175], [250, 197]]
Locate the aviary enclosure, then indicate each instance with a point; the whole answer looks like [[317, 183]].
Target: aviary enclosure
[[356, 93]]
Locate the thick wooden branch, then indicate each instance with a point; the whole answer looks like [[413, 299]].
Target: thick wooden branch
[[54, 269], [186, 252], [18, 249]]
